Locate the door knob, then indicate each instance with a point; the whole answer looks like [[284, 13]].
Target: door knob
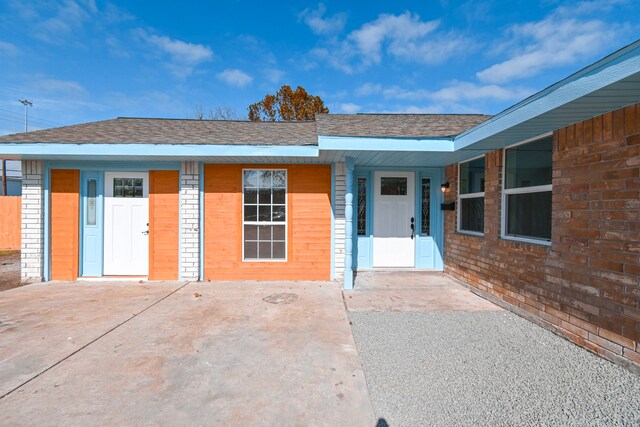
[[413, 227], [145, 232]]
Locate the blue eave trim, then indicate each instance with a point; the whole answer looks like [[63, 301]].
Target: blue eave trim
[[613, 68], [44, 149], [350, 143]]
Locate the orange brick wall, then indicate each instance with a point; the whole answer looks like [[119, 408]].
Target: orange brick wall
[[65, 199], [164, 224], [586, 285], [308, 217]]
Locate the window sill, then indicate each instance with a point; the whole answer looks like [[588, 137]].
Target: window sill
[[526, 240], [469, 233]]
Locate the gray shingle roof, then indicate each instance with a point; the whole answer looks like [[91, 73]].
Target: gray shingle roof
[[176, 131], [397, 125], [223, 132]]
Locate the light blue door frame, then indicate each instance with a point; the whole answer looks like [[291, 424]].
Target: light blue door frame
[[92, 217], [429, 254]]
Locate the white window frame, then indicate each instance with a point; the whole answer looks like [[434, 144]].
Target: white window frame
[[286, 216], [468, 196], [524, 190]]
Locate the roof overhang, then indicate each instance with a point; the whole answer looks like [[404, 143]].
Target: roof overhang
[[151, 152], [605, 86]]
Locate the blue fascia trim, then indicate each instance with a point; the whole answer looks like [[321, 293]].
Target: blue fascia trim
[[45, 149], [115, 166], [613, 68], [201, 219], [344, 143]]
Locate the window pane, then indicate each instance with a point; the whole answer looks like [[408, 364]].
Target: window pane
[[278, 250], [264, 213], [278, 213], [472, 214], [250, 195], [250, 178], [264, 179], [91, 202], [391, 186], [250, 213], [250, 250], [264, 232], [279, 196], [264, 250], [529, 164], [472, 176], [264, 196], [279, 179], [278, 232], [426, 207], [529, 215], [362, 206], [250, 232]]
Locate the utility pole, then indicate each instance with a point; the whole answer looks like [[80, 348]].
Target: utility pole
[[26, 104]]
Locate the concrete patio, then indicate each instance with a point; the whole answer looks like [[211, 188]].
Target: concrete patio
[[251, 353], [421, 350]]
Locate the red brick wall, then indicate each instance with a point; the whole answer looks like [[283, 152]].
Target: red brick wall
[[586, 285]]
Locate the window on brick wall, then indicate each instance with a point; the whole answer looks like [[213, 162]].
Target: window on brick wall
[[471, 196], [264, 215], [526, 196]]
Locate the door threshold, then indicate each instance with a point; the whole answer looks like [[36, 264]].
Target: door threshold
[[113, 279]]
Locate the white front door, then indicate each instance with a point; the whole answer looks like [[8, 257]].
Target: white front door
[[393, 215], [126, 223]]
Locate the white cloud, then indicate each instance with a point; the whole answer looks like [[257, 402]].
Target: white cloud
[[180, 51], [349, 108], [59, 86], [458, 91], [394, 29], [405, 36], [53, 21], [274, 75], [369, 89], [320, 24], [184, 56], [562, 38], [461, 91], [235, 77], [8, 49]]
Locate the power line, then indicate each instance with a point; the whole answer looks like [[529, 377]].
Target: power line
[[40, 119]]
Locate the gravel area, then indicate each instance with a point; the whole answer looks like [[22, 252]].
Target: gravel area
[[9, 270], [487, 368]]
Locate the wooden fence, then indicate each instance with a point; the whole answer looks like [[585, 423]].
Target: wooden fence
[[10, 222]]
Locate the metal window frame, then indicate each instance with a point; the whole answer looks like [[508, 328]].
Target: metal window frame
[[258, 223], [476, 195], [521, 190]]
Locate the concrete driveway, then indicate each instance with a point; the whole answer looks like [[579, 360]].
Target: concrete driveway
[[254, 353]]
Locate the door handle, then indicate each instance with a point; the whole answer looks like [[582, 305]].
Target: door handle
[[145, 232], [413, 227]]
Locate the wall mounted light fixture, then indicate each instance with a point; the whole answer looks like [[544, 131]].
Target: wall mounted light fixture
[[444, 186]]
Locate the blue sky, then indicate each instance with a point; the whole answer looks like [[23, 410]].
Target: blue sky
[[85, 60]]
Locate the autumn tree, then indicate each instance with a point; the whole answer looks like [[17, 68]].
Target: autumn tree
[[287, 105]]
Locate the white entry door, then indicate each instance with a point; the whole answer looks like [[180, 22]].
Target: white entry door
[[393, 216], [126, 223]]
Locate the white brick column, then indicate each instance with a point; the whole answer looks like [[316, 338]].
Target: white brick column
[[32, 246], [339, 225], [189, 221]]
